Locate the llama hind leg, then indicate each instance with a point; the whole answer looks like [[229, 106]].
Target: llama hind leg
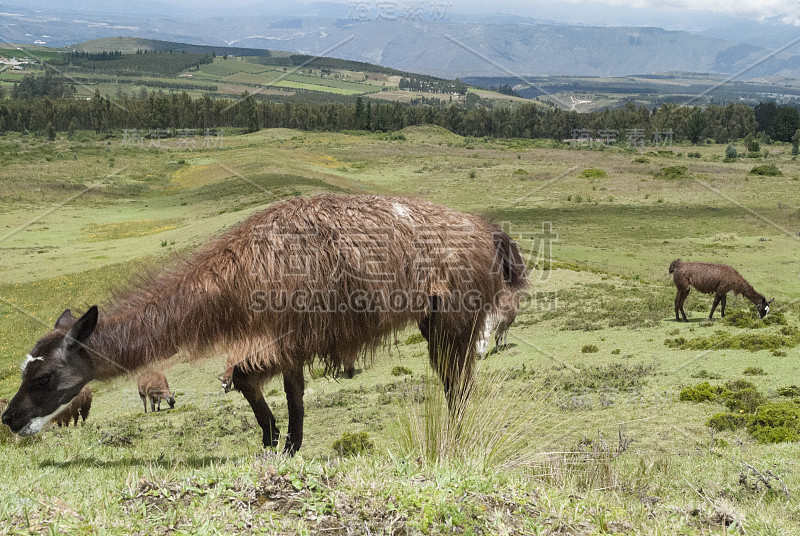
[[723, 304], [249, 384], [294, 385], [451, 353]]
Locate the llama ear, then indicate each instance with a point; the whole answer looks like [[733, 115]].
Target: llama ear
[[65, 321], [770, 301], [84, 327]]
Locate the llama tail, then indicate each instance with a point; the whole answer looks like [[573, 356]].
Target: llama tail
[[673, 265], [511, 261]]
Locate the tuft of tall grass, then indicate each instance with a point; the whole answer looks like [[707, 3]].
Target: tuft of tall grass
[[505, 422]]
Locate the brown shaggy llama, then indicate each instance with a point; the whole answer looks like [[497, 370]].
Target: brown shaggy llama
[[79, 407], [498, 322], [711, 278], [305, 280], [153, 385]]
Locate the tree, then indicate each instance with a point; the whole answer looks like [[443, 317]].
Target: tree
[[51, 132], [796, 142], [696, 128], [730, 152], [765, 113], [785, 123]]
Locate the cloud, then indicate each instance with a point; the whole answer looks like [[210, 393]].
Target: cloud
[[787, 10]]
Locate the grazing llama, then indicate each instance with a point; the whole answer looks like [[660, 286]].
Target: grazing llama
[[711, 278], [79, 407], [498, 322], [153, 385], [316, 278]]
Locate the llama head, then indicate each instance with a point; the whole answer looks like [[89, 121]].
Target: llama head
[[226, 379], [171, 400], [53, 374], [763, 307]]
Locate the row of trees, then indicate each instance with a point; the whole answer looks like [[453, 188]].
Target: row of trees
[[180, 111]]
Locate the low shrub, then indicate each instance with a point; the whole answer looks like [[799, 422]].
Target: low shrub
[[590, 349], [401, 371], [728, 421], [768, 170], [776, 422], [754, 371], [672, 173], [641, 160], [702, 392], [745, 400], [352, 444], [594, 173], [791, 391], [414, 338]]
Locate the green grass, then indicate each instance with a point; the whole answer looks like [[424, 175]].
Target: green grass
[[601, 440]]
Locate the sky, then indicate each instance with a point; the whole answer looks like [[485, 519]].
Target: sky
[[788, 10]]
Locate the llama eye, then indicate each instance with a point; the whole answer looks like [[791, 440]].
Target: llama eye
[[43, 381]]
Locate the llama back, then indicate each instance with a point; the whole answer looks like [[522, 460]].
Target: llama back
[[281, 273], [374, 259], [709, 277]]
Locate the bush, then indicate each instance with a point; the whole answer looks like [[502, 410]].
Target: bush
[[769, 170], [641, 160], [775, 422], [754, 371], [702, 392], [672, 173], [352, 444], [730, 152], [415, 338], [593, 173], [745, 400], [693, 155], [401, 371], [791, 391], [590, 349], [727, 421]]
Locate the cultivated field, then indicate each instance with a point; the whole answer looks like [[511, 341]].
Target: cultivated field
[[586, 433]]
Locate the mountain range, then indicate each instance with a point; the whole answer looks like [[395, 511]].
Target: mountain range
[[450, 47]]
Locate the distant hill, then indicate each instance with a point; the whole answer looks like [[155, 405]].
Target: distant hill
[[132, 44]]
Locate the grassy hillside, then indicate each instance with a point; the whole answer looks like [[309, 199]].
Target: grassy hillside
[[217, 71], [590, 382]]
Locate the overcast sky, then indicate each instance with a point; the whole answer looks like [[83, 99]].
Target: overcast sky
[[789, 10]]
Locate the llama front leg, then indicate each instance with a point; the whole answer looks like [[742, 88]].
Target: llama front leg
[[723, 304], [679, 299], [717, 299], [294, 385], [144, 402], [249, 384]]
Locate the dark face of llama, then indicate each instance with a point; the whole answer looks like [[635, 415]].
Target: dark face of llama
[[52, 374], [171, 402], [763, 309]]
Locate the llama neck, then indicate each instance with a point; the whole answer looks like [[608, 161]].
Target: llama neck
[[168, 313], [750, 293]]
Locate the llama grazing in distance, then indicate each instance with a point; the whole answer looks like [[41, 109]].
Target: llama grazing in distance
[[78, 407], [711, 278], [317, 278], [498, 322], [153, 385]]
